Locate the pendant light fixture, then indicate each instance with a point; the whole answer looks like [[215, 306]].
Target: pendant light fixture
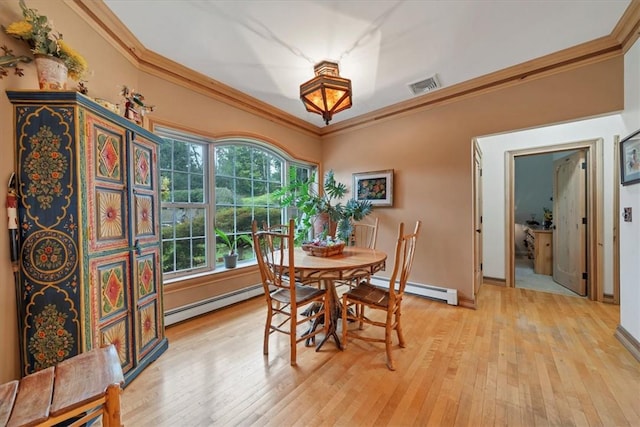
[[327, 93]]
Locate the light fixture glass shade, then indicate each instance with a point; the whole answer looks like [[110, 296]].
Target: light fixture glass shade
[[327, 93]]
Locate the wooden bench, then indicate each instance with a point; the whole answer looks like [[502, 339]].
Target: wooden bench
[[85, 387]]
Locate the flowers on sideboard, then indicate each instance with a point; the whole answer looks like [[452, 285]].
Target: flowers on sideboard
[[39, 34]]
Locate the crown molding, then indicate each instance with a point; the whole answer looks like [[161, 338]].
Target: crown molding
[[594, 51], [627, 31], [100, 17], [619, 41], [162, 67]]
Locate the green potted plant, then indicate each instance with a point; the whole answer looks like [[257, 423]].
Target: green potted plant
[[231, 259], [322, 212]]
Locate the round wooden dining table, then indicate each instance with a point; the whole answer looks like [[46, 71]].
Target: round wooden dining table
[[353, 263]]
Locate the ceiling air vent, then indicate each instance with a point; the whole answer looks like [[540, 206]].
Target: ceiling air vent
[[424, 86]]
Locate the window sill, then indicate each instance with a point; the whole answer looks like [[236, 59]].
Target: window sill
[[219, 271]]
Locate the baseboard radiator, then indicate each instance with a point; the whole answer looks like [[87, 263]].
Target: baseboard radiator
[[201, 307], [450, 296], [179, 314]]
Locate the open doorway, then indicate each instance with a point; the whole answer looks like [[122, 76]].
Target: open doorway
[[550, 193], [593, 200]]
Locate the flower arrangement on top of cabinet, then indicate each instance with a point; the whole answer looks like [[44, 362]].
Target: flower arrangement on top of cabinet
[[43, 40]]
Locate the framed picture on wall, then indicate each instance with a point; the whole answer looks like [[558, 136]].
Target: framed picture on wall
[[376, 187], [630, 159]]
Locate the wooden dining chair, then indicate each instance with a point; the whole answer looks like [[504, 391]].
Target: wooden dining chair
[[364, 234], [388, 300], [284, 295]]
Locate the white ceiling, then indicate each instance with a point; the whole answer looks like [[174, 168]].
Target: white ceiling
[[267, 48]]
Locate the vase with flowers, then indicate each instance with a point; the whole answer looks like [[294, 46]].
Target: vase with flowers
[[55, 59]]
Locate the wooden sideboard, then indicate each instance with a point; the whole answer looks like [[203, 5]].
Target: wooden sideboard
[[539, 243]]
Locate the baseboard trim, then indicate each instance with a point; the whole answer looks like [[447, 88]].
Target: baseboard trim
[[467, 303], [628, 341], [494, 281], [180, 314]]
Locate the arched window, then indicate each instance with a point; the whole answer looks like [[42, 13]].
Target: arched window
[[197, 198]]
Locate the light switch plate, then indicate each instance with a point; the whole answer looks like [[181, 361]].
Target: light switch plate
[[627, 214]]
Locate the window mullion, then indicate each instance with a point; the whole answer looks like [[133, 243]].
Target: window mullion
[[224, 183]]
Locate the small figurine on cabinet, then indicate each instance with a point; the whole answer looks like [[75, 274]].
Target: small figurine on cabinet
[[134, 106], [548, 218], [82, 87]]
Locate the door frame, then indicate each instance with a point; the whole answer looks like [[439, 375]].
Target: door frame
[[477, 214], [615, 298], [595, 210]]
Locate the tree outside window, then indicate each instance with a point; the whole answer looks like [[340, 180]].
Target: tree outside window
[[196, 198]]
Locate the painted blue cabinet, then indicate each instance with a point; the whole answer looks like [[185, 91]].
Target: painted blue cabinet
[[89, 246]]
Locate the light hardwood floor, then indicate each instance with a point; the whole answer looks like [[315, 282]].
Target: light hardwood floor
[[523, 358]]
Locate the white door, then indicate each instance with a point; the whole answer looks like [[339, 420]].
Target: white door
[[569, 219]]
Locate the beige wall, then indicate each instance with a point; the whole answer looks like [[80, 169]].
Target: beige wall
[[431, 154], [429, 149]]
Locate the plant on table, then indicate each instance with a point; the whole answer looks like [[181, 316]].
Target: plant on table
[[314, 206]]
